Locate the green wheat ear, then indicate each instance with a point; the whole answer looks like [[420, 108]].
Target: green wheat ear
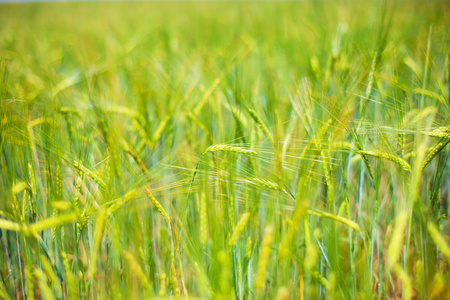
[[261, 125], [240, 150]]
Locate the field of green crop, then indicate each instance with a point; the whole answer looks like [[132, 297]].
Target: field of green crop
[[271, 150]]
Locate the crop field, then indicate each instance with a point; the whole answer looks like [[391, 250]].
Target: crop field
[[225, 150]]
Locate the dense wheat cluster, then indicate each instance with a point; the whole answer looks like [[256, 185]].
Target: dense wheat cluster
[[290, 150]]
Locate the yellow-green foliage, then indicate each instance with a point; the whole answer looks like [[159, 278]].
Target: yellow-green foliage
[[270, 150]]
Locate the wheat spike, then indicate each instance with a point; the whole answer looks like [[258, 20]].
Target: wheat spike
[[340, 219], [434, 151], [401, 162], [29, 282], [50, 222], [238, 229], [261, 125], [203, 219], [264, 258], [158, 205], [293, 227], [443, 132], [46, 291], [230, 149], [265, 183], [50, 273], [407, 289], [439, 240], [248, 248], [71, 286], [136, 269], [89, 173], [99, 228], [9, 225], [395, 246]]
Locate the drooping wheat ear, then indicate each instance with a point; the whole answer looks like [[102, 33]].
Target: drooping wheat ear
[[89, 173], [395, 246], [261, 125], [157, 205], [265, 183], [72, 291], [238, 229], [443, 132], [135, 157], [340, 219], [439, 240], [293, 227], [203, 219], [136, 269], [230, 149], [435, 151], [401, 162], [264, 258], [430, 94]]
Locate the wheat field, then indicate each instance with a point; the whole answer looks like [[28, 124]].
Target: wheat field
[[220, 150]]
